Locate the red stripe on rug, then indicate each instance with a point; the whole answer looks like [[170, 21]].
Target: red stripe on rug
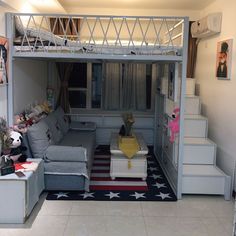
[[133, 184], [120, 188], [116, 179]]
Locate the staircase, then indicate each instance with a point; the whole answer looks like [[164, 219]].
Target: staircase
[[200, 173]]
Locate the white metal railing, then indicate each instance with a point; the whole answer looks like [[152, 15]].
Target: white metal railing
[[115, 35]]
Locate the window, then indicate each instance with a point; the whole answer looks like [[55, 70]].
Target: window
[[78, 86], [96, 85], [111, 86]]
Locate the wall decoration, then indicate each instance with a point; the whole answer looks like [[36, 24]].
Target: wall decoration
[[224, 59], [3, 60]]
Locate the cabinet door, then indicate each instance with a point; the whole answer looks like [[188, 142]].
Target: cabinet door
[[13, 202]]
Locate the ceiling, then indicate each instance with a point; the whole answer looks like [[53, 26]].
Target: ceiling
[[145, 4], [73, 6]]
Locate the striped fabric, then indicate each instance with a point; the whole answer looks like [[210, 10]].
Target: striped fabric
[[100, 178]]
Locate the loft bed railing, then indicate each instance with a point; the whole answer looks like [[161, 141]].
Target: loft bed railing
[[91, 36]]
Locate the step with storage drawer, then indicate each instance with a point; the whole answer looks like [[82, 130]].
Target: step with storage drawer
[[195, 126], [192, 105], [199, 151], [205, 179]]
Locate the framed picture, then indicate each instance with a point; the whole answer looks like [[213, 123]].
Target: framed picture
[[224, 59]]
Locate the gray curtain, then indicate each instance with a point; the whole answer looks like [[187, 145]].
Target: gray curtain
[[140, 87], [128, 88], [64, 71], [112, 86], [134, 87]]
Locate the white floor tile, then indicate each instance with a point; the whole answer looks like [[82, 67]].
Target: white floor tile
[[214, 227], [86, 226], [89, 208], [159, 208], [172, 226], [126, 226], [191, 216], [227, 224], [105, 226], [124, 209], [56, 208], [47, 225], [193, 209]]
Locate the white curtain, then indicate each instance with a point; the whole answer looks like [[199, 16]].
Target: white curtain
[[112, 86]]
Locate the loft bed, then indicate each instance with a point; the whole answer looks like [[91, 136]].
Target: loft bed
[[75, 36], [145, 39]]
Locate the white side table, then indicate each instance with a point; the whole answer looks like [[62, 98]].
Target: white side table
[[19, 195], [119, 163]]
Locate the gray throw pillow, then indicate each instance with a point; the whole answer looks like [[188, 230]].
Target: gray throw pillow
[[54, 126], [40, 137], [62, 119]]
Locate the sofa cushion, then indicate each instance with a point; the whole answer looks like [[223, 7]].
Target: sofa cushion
[[76, 138], [65, 154], [83, 126], [62, 119], [40, 137], [81, 139], [66, 168], [54, 126]]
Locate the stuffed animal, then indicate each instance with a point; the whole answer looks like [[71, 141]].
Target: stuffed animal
[[174, 124], [17, 149], [19, 124], [46, 107]]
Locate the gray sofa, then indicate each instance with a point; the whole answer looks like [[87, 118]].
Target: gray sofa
[[67, 149]]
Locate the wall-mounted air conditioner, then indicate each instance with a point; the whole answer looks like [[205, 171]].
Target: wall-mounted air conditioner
[[207, 26]]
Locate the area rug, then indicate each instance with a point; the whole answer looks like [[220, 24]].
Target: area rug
[[103, 188]]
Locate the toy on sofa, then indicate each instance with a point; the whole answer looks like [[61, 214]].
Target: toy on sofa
[[174, 124], [17, 149], [46, 107], [19, 124]]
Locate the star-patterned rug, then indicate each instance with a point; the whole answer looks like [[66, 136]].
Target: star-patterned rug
[[103, 188]]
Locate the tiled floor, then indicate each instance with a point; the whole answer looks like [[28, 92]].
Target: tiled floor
[[192, 216]]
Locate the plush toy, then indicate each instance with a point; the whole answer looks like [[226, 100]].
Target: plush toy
[[174, 124], [46, 107], [19, 124], [17, 149]]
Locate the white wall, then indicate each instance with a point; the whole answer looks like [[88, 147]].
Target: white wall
[[193, 14], [2, 19], [218, 96], [30, 82]]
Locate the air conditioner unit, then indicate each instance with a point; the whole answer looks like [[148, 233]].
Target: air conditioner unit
[[207, 26]]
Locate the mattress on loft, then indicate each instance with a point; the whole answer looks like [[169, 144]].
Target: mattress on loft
[[95, 48]]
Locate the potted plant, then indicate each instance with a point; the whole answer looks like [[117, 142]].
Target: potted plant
[[128, 123]]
